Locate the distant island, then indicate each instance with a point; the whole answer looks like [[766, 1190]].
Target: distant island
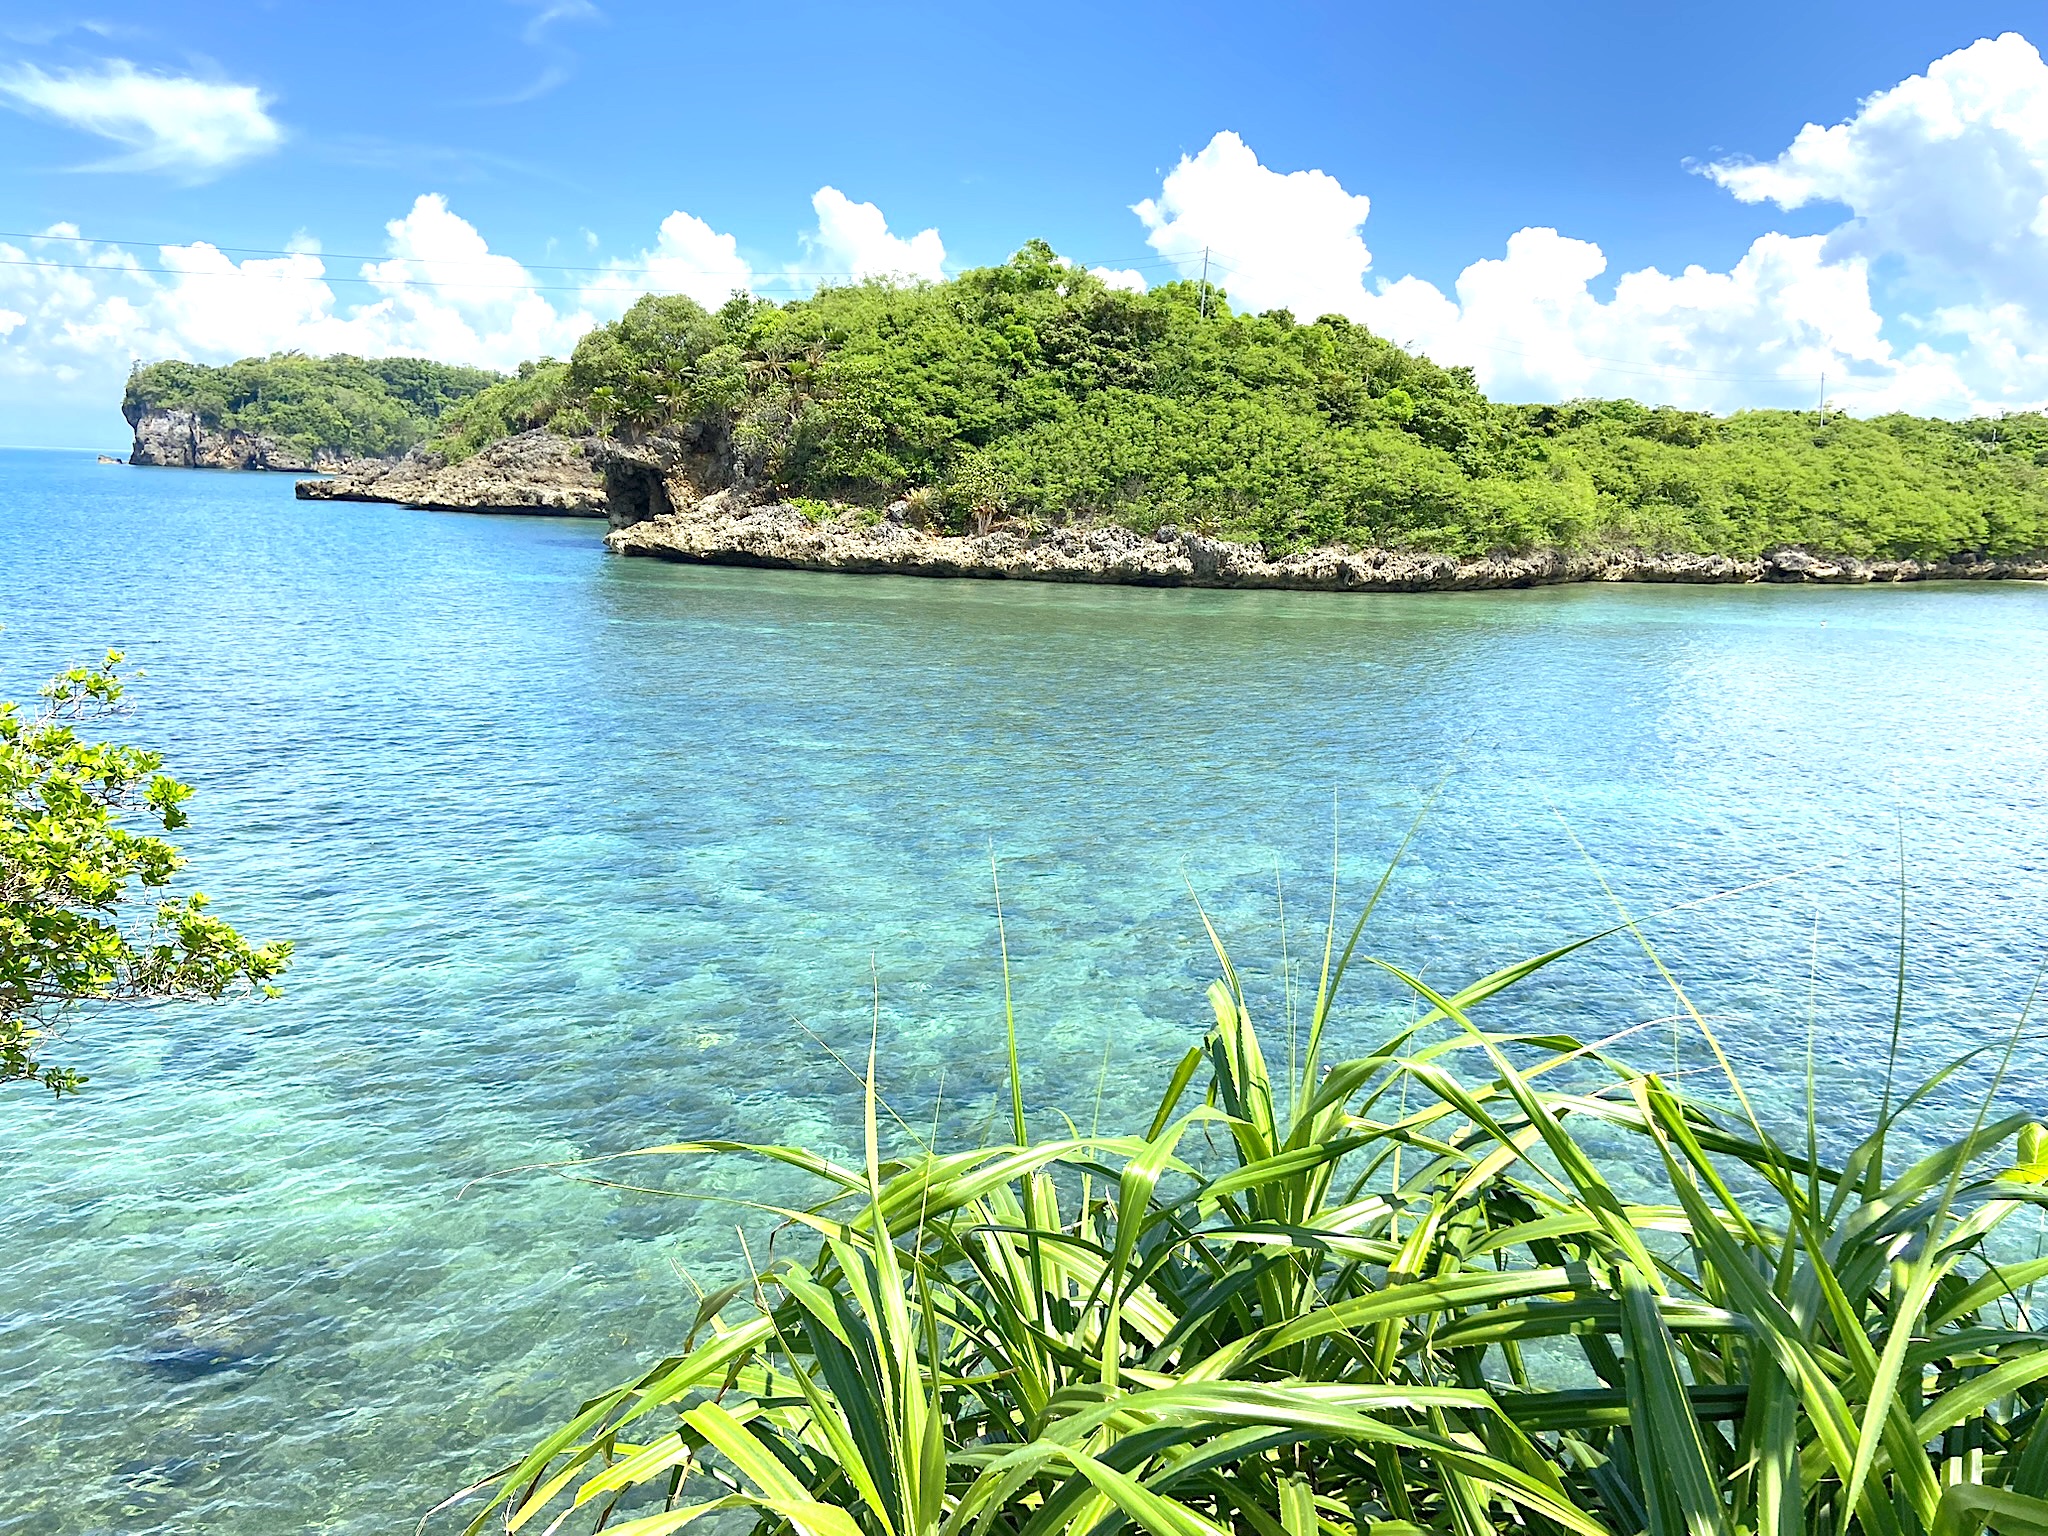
[[290, 411], [1028, 420]]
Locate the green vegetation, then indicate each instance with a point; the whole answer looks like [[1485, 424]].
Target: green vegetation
[[534, 397], [1031, 394], [348, 406], [73, 880], [1484, 1278]]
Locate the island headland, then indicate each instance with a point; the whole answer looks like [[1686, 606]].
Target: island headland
[[290, 412], [1027, 421]]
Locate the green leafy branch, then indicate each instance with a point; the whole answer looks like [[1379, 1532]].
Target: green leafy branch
[[81, 917]]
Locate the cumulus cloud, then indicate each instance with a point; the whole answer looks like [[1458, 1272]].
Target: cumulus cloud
[[1277, 241], [1946, 178], [1765, 332], [441, 292], [1127, 278], [1948, 170], [1932, 296], [192, 129], [854, 238], [1527, 322], [690, 257], [74, 313]]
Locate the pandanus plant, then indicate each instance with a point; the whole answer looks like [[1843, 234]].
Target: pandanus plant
[[1479, 1279]]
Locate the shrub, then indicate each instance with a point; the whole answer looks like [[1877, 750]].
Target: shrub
[[1484, 1277]]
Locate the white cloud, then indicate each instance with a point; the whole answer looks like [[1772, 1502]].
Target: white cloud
[[1127, 278], [1948, 169], [74, 313], [1946, 178], [444, 294], [90, 309], [547, 12], [854, 238], [539, 34], [1763, 333], [1932, 297], [192, 129], [1274, 241], [690, 257]]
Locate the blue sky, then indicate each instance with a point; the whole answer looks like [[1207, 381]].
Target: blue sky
[[563, 134]]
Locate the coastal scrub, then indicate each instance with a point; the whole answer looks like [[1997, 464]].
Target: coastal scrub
[[1031, 396]]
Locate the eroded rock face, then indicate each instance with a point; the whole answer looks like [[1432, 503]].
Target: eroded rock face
[[1799, 565], [650, 476], [719, 530], [178, 439], [533, 472]]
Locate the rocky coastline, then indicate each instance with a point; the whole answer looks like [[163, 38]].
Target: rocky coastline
[[719, 530], [648, 493], [182, 439], [535, 472]]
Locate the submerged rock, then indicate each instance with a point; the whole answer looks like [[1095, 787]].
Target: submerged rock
[[194, 1361], [197, 1329], [533, 472], [141, 1475], [721, 531]]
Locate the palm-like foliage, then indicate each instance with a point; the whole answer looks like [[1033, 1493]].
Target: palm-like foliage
[[1405, 1292]]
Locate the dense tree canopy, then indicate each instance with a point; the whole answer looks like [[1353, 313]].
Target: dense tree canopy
[[1033, 393], [353, 406]]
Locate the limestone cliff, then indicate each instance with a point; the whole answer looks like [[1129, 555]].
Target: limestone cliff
[[182, 439]]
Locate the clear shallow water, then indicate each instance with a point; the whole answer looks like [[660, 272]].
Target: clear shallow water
[[569, 843]]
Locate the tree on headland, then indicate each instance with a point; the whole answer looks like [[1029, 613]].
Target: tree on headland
[[81, 920]]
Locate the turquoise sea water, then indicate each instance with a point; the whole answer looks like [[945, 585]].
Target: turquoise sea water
[[571, 845]]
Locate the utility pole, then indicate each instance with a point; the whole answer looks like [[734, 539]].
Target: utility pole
[[1823, 398], [1205, 282]]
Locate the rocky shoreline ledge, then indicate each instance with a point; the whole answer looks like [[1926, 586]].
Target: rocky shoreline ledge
[[718, 531], [533, 472], [647, 493]]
